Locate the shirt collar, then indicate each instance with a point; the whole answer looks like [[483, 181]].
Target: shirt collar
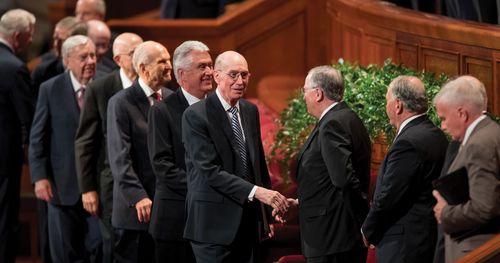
[[471, 127], [148, 90], [76, 85], [190, 98], [405, 122], [126, 82], [5, 42], [327, 109], [225, 104]]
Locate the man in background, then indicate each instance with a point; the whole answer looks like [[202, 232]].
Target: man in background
[[87, 10], [460, 106], [52, 151], [400, 223], [16, 114], [134, 180], [92, 166], [100, 34]]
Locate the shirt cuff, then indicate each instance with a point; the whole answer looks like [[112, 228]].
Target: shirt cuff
[[252, 193]]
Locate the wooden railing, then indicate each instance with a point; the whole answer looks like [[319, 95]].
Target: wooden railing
[[488, 252]]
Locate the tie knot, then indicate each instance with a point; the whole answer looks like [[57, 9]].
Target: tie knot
[[233, 110], [156, 96]]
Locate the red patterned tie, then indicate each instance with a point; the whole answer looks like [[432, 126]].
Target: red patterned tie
[[81, 96]]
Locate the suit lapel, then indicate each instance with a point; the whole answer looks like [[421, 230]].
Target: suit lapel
[[68, 94], [218, 116], [140, 99], [248, 123]]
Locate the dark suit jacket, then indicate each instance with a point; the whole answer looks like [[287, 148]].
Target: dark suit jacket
[[332, 165], [403, 200], [52, 140], [167, 158], [216, 190], [16, 112], [92, 166], [481, 215], [127, 124]]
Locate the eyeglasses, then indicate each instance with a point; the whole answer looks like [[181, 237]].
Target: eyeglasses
[[235, 74]]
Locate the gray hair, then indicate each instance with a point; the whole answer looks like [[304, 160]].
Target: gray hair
[[461, 91], [73, 25], [181, 58], [72, 42], [16, 20], [411, 92], [143, 54], [329, 80]]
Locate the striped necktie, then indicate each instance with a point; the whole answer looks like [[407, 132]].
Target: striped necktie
[[240, 142]]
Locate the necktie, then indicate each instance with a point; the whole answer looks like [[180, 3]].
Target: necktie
[[240, 142], [156, 96], [81, 96]]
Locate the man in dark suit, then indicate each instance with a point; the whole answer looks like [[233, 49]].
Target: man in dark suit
[[333, 173], [134, 180], [51, 155], [460, 106], [16, 113], [92, 166], [100, 34], [226, 171], [400, 222], [193, 70]]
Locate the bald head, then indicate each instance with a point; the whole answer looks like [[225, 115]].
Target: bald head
[[151, 61], [86, 10], [123, 50], [100, 34], [232, 76]]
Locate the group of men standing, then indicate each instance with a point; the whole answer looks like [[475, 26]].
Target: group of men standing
[[181, 176]]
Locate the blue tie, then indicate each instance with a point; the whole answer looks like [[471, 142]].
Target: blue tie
[[240, 142]]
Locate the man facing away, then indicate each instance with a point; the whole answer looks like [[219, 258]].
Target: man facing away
[[226, 171], [16, 114], [333, 174], [134, 180], [92, 166], [400, 222], [460, 105]]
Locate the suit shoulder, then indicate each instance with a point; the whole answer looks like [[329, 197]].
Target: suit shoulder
[[103, 82], [53, 82]]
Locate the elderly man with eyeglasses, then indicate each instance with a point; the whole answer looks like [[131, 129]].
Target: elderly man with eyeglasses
[[227, 177]]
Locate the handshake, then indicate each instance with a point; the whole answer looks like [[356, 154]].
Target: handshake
[[283, 208]]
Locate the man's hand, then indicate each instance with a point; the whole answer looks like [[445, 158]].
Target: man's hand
[[441, 203], [293, 210], [272, 198], [143, 208], [43, 190], [90, 202]]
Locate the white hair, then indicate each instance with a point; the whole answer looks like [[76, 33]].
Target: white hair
[[16, 20], [181, 57], [72, 42], [143, 54], [461, 91]]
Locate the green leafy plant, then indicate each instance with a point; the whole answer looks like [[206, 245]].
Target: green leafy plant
[[365, 89]]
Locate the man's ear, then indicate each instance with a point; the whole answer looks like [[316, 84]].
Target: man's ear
[[463, 114], [399, 106], [116, 59], [217, 76], [320, 96]]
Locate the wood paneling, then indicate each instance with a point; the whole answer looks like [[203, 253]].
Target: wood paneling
[[371, 31], [270, 34]]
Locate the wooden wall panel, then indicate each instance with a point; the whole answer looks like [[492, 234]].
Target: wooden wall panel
[[495, 102], [407, 55], [481, 69], [352, 40], [440, 61]]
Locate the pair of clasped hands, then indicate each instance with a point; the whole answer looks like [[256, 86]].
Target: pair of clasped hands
[[283, 208]]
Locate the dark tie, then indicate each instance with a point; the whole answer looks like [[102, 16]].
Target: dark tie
[[156, 96], [240, 142], [80, 96]]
